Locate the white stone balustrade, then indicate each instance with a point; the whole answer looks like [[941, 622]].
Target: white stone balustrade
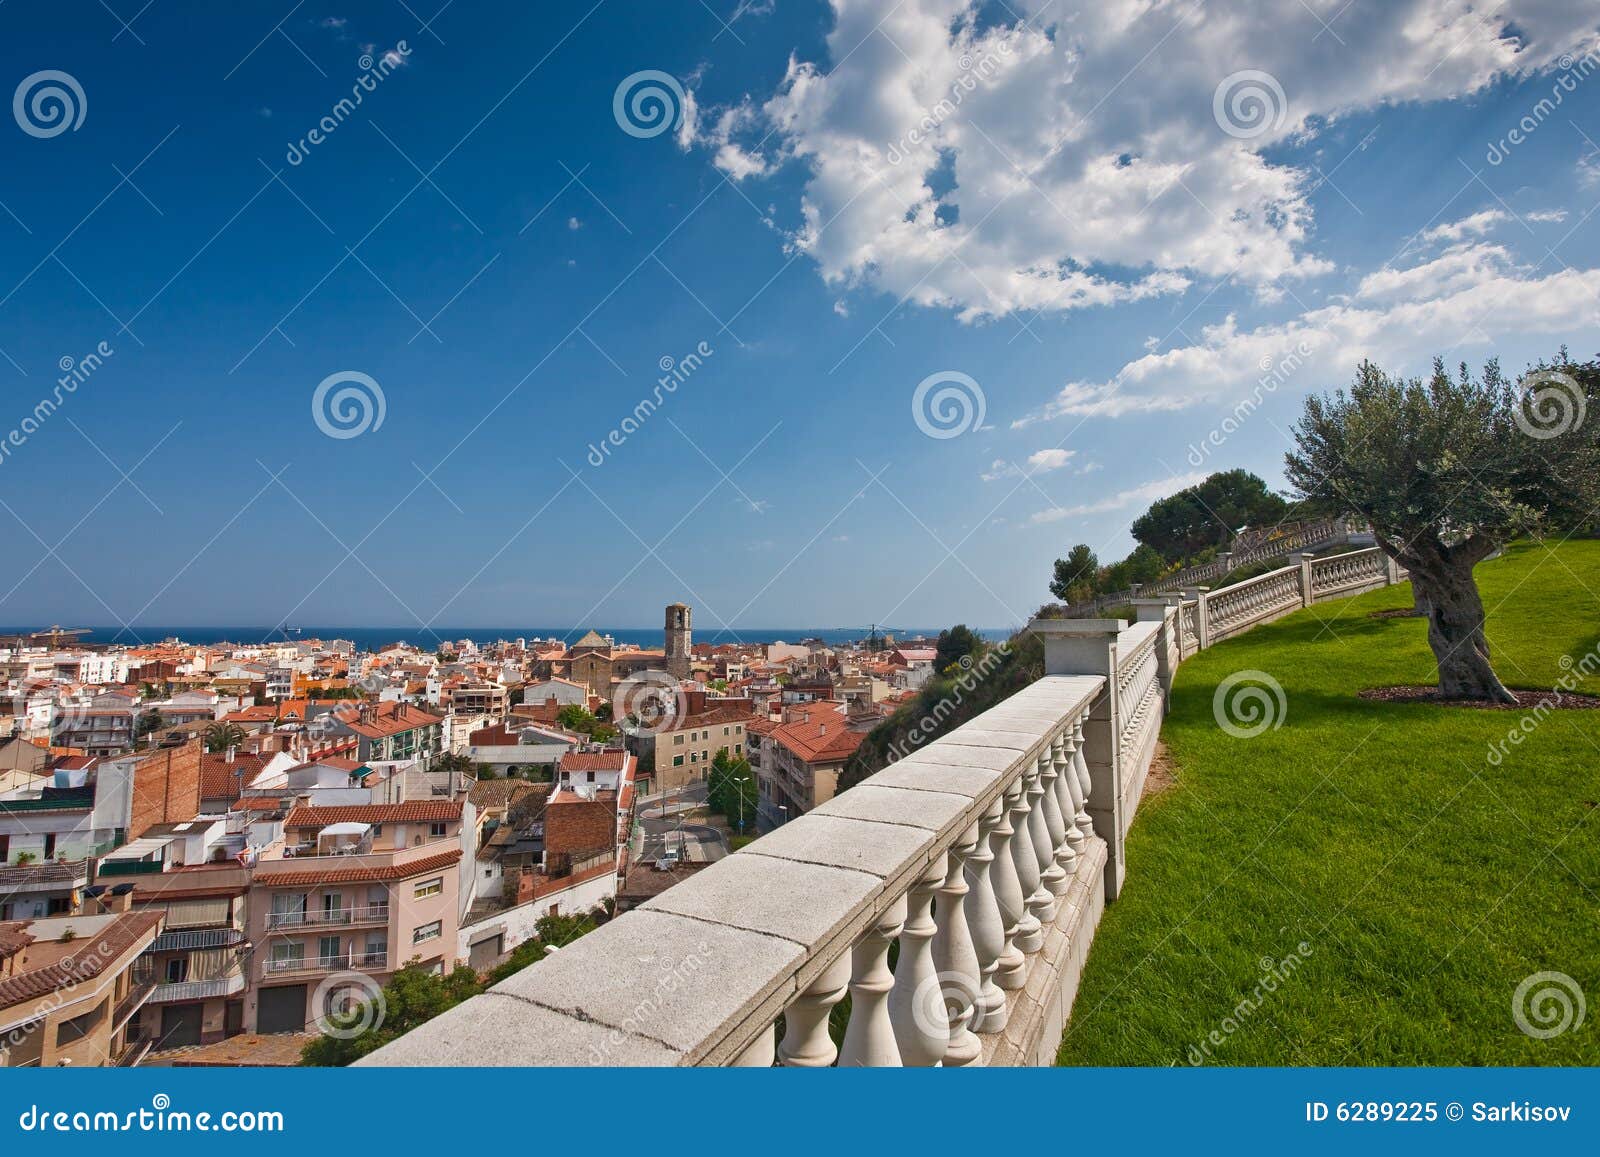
[[987, 855]]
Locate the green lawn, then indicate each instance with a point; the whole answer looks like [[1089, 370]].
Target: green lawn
[[1425, 882]]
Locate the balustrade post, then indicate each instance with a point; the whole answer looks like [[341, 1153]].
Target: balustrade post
[[1013, 970], [1302, 559], [916, 1002], [806, 1043], [1169, 642], [869, 1037], [1202, 616], [1081, 766], [956, 956], [1089, 647], [986, 922]]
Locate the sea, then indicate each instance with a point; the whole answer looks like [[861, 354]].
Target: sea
[[377, 638]]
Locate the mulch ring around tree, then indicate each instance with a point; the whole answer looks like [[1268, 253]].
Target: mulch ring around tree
[[1526, 700]]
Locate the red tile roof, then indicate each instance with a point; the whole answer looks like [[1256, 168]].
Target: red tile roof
[[593, 760], [333, 875], [115, 939], [220, 779], [819, 736], [413, 811], [391, 719]]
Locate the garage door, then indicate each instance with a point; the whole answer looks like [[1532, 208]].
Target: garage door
[[281, 1009], [180, 1024], [485, 954]]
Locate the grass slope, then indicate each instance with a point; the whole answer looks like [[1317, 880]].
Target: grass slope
[[1425, 882]]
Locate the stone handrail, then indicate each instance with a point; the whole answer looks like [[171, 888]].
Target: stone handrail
[[1248, 550], [989, 854]]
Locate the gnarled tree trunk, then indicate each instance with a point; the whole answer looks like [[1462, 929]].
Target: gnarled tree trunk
[[1442, 581]]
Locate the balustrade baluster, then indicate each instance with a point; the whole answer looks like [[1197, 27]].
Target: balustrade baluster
[[1066, 809], [1042, 903], [956, 956], [916, 1002], [869, 1037], [1030, 933], [1054, 877], [1012, 973], [1081, 765], [806, 1043], [986, 923], [759, 1053]]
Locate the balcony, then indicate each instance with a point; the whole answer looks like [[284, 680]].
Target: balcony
[[340, 917], [189, 940], [278, 966], [138, 994], [185, 991]]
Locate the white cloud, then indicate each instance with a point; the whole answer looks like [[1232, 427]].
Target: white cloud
[[574, 224], [1148, 492], [1474, 226], [841, 307], [1470, 296], [1070, 158], [1044, 461]]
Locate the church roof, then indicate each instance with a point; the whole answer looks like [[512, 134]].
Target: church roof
[[591, 639]]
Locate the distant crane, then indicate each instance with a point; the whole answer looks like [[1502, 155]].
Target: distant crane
[[872, 630], [56, 632]]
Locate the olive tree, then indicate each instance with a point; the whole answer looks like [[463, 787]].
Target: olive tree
[[1448, 470]]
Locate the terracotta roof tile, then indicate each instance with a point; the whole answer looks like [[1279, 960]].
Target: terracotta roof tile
[[410, 812], [357, 875]]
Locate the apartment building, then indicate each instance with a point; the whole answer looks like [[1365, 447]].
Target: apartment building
[[802, 758], [685, 748], [362, 890], [71, 986], [197, 965]]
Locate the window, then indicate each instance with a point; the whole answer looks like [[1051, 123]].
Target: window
[[177, 970], [428, 932], [677, 740], [429, 888], [677, 761], [79, 1026], [328, 949], [438, 829], [591, 777]]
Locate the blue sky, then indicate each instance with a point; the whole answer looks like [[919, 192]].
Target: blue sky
[[1107, 246]]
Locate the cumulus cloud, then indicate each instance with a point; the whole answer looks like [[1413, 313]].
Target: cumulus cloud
[[1469, 296], [1069, 155], [1146, 493]]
